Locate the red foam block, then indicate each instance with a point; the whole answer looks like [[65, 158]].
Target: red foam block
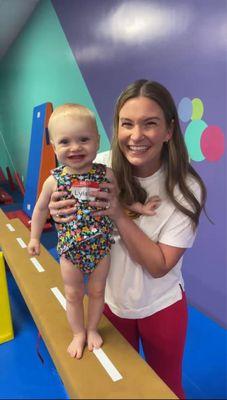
[[5, 197]]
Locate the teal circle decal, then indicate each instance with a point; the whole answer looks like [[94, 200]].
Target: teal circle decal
[[192, 139]]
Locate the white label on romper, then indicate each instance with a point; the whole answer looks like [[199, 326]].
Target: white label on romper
[[81, 190]]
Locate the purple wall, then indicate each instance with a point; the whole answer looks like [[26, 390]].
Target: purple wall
[[183, 45]]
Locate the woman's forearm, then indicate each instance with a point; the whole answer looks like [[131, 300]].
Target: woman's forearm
[[142, 249]]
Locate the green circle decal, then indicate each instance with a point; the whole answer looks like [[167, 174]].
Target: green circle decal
[[197, 109]]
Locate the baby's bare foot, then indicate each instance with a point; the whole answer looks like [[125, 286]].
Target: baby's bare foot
[[76, 347], [94, 340]]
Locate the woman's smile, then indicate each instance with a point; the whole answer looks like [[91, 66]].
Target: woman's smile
[[138, 149]]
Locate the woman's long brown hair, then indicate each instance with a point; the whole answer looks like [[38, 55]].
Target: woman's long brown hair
[[174, 154]]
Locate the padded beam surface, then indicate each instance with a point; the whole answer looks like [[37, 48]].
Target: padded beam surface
[[85, 378]]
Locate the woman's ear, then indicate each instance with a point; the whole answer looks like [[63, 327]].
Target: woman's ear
[[170, 131], [169, 135]]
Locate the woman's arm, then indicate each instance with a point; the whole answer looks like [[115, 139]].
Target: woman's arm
[[157, 258]]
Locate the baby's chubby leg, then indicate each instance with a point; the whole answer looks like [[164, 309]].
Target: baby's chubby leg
[[74, 293], [96, 289]]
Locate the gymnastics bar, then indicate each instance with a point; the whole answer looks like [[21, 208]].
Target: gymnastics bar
[[87, 378]]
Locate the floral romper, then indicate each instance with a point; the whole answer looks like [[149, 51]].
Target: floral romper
[[87, 239]]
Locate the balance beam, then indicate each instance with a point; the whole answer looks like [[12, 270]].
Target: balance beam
[[39, 280]]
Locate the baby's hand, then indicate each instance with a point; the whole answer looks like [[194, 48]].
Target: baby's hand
[[151, 205], [34, 247]]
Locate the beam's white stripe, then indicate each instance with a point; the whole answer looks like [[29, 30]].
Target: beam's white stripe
[[99, 353], [10, 227], [21, 243], [107, 365], [59, 296], [37, 265]]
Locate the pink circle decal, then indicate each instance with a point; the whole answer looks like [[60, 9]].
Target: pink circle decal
[[212, 143]]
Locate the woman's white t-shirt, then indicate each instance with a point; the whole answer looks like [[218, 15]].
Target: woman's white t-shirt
[[131, 292]]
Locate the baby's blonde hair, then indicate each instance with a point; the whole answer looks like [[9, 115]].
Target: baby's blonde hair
[[76, 111]]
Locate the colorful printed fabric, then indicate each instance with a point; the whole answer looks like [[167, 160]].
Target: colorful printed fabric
[[87, 255], [86, 239]]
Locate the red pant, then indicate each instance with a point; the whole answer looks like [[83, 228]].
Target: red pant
[[163, 337]]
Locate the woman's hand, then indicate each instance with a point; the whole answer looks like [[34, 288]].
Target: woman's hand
[[61, 210], [107, 201]]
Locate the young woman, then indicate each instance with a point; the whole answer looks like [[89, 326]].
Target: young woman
[[145, 290]]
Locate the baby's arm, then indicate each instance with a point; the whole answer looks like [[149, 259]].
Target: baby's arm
[[144, 209], [40, 215], [148, 208]]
